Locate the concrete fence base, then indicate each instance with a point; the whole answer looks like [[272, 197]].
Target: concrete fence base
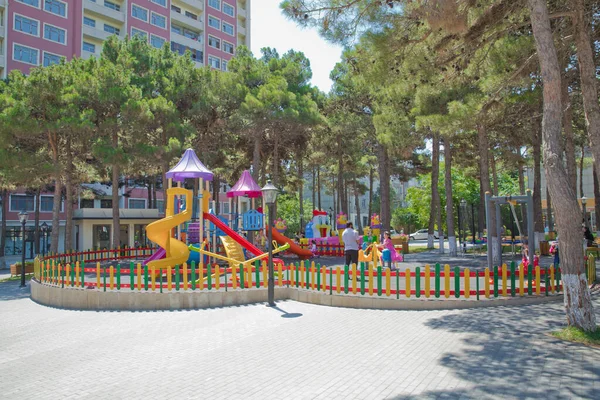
[[92, 299]]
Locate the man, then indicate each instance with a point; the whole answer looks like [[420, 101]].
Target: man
[[350, 238]]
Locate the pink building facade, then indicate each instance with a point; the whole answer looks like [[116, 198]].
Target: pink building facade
[[41, 32]]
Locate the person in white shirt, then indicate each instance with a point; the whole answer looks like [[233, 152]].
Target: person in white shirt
[[350, 238]]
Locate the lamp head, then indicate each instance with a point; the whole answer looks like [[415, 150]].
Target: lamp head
[[270, 193], [583, 200], [23, 216], [44, 227], [463, 202]]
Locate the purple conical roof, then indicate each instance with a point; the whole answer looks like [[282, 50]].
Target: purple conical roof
[[245, 186], [189, 167]]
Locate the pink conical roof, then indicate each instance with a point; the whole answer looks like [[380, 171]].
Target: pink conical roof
[[245, 186], [189, 167]]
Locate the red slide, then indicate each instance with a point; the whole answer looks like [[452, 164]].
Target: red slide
[[294, 248]]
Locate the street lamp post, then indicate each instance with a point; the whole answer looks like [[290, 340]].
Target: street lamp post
[[44, 228], [23, 219], [583, 203], [459, 226], [270, 197], [473, 221]]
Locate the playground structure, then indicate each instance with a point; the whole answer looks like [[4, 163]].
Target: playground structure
[[492, 204], [168, 234]]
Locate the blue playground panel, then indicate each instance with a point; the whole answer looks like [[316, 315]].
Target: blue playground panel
[[195, 256], [211, 226], [252, 220]]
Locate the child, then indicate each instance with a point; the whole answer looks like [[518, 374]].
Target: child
[[313, 248], [387, 244]]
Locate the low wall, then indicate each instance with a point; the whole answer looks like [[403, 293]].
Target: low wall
[[92, 299]]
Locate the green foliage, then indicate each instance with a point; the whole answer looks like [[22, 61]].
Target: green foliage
[[288, 208]]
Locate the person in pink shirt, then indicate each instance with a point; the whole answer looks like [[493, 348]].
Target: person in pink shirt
[[387, 244]]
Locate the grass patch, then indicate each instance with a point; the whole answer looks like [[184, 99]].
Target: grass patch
[[576, 335], [420, 249], [17, 278]]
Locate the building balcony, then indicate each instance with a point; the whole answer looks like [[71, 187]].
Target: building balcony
[[197, 5], [97, 33], [99, 9], [186, 41], [2, 4], [199, 64], [87, 54], [2, 65], [242, 12], [2, 30], [186, 21], [106, 213], [241, 30]]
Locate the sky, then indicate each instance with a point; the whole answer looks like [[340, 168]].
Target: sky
[[271, 29]]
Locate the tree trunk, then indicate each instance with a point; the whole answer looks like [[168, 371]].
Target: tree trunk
[[300, 162], [567, 123], [216, 189], [578, 304], [587, 74], [449, 200], [522, 192], [357, 206], [581, 160], [3, 227], [154, 185], [256, 155], [314, 191], [481, 209], [149, 193], [340, 178], [494, 174], [335, 201], [435, 201], [319, 188], [116, 223], [36, 235], [371, 173], [69, 198], [484, 168], [275, 172], [549, 216], [384, 179], [56, 214], [596, 198], [538, 218]]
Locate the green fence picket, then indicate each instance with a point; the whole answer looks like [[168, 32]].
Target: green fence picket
[[287, 274], [193, 266], [546, 280], [379, 285], [529, 279], [131, 278], [307, 271], [145, 277], [496, 281], [512, 279], [456, 282], [257, 273], [330, 280], [477, 283], [318, 266], [160, 276], [298, 274], [437, 280], [72, 273], [417, 282], [209, 276], [118, 276], [346, 269], [177, 277], [242, 285], [398, 283], [362, 277]]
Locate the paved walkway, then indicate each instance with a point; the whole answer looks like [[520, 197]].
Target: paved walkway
[[296, 351]]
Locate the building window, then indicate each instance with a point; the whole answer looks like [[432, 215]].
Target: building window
[[224, 65], [228, 9], [176, 9], [139, 33], [214, 22], [214, 62], [22, 202], [138, 204], [159, 20], [101, 236], [89, 47], [55, 34], [111, 5], [26, 25], [215, 4], [139, 13], [228, 47], [111, 29], [46, 203], [50, 59], [191, 15], [56, 7], [214, 42], [34, 3], [180, 49], [228, 28], [176, 29], [160, 204], [89, 22], [160, 2], [157, 41], [191, 34], [106, 203], [86, 203], [25, 54]]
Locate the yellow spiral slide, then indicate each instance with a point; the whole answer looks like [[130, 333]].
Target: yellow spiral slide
[[159, 232]]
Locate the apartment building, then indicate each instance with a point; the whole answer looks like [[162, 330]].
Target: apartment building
[[41, 32]]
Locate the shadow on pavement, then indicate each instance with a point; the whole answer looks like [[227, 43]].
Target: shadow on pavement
[[11, 291], [509, 355]]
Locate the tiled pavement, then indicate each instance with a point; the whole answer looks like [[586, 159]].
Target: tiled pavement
[[297, 351]]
